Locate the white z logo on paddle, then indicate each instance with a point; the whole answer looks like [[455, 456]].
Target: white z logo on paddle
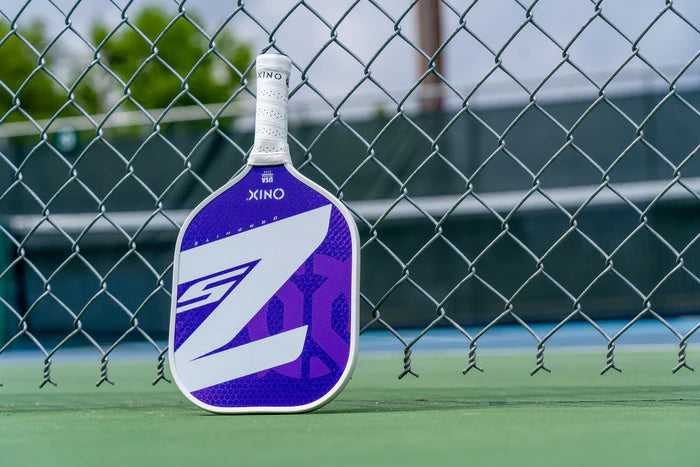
[[242, 273]]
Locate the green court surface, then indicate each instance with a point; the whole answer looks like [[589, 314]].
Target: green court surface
[[573, 416]]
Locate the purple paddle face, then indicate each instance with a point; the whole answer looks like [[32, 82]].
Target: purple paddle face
[[264, 309]]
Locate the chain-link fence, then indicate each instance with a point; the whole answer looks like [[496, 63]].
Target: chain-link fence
[[508, 162]]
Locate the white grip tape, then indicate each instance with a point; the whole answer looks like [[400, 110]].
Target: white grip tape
[[270, 146]]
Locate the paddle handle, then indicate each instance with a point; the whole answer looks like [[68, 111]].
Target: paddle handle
[[271, 107]]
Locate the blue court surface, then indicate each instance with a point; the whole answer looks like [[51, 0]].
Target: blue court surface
[[646, 334]]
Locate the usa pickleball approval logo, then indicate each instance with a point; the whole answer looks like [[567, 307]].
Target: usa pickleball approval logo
[[261, 325]]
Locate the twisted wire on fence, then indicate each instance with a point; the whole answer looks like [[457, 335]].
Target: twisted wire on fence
[[23, 257]]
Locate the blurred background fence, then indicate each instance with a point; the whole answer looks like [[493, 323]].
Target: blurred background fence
[[508, 162]]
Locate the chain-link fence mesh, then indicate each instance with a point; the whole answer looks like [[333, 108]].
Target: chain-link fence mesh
[[564, 204]]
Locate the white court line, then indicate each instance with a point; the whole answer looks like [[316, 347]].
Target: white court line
[[137, 353]]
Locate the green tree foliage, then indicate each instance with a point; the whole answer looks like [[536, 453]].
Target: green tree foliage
[[21, 76], [179, 49]]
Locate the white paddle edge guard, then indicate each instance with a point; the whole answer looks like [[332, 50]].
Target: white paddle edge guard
[[270, 145], [354, 311]]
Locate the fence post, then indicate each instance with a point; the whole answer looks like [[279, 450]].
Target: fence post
[[429, 25], [5, 288]]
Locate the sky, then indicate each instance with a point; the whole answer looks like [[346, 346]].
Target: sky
[[668, 45]]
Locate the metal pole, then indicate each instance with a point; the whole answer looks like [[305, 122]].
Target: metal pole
[[429, 41]]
